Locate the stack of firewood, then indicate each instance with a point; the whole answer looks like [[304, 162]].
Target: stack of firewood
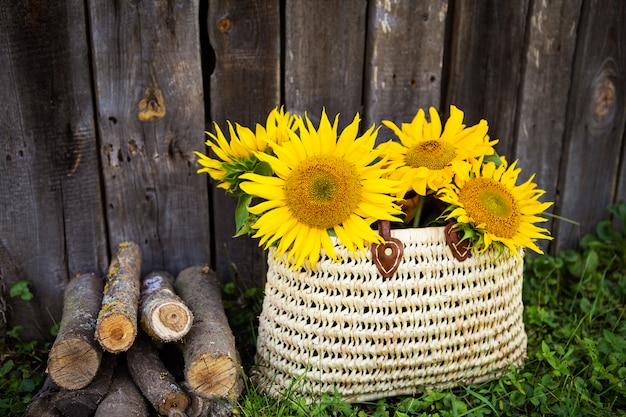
[[108, 356]]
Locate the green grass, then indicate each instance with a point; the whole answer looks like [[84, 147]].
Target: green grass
[[22, 367], [575, 305]]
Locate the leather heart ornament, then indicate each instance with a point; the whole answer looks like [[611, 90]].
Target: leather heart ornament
[[460, 248], [387, 256]]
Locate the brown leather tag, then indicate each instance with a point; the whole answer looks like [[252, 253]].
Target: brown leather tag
[[387, 256], [460, 249]]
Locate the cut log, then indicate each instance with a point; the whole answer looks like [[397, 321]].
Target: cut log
[[212, 367], [163, 315], [205, 407], [116, 327], [52, 400], [153, 379], [123, 399], [42, 403], [75, 356], [198, 406]]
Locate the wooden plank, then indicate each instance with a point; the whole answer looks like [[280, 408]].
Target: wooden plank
[[621, 178], [542, 101], [404, 59], [150, 109], [485, 60], [324, 56], [245, 86], [595, 120], [51, 222]]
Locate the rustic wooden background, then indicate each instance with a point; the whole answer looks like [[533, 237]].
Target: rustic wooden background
[[102, 104]]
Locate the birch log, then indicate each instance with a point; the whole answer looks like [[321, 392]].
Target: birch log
[[75, 356], [163, 315], [117, 321], [212, 367]]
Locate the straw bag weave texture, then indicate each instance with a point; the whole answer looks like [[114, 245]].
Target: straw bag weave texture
[[436, 322]]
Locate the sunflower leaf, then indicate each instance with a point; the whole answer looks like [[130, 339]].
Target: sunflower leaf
[[264, 168], [494, 157], [242, 214]]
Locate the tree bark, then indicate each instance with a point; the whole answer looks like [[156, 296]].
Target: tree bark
[[52, 400], [75, 356], [123, 399], [198, 406], [163, 315], [42, 403], [204, 407], [116, 327], [212, 367], [153, 379]]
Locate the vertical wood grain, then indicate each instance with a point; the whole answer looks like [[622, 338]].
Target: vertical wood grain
[[51, 222], [485, 64], [245, 86], [90, 159], [542, 100], [150, 113], [595, 121], [404, 59], [324, 57]]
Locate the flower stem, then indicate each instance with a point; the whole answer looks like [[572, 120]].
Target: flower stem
[[418, 211]]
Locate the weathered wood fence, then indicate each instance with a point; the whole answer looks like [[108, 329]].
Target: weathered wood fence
[[102, 104]]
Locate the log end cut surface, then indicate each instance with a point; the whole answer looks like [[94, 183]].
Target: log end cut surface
[[73, 363], [212, 376], [174, 321], [116, 333], [174, 401]]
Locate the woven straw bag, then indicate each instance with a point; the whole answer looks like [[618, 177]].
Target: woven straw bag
[[436, 322]]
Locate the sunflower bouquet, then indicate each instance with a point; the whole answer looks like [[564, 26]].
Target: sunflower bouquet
[[299, 186]]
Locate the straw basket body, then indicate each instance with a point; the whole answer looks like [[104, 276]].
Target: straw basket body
[[436, 322]]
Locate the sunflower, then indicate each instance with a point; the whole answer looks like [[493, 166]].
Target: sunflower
[[323, 184], [423, 159], [278, 126], [237, 155], [485, 197]]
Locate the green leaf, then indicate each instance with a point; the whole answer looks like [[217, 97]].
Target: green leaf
[[15, 332], [6, 367], [607, 232], [27, 385], [21, 288], [495, 158], [264, 168], [517, 398], [592, 261], [242, 214], [549, 382], [611, 342], [619, 210], [54, 329]]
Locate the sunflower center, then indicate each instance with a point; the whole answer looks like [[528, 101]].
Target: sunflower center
[[489, 202], [432, 154], [323, 191]]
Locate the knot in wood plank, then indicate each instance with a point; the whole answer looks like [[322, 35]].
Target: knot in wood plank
[[603, 98], [224, 24], [152, 105]]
